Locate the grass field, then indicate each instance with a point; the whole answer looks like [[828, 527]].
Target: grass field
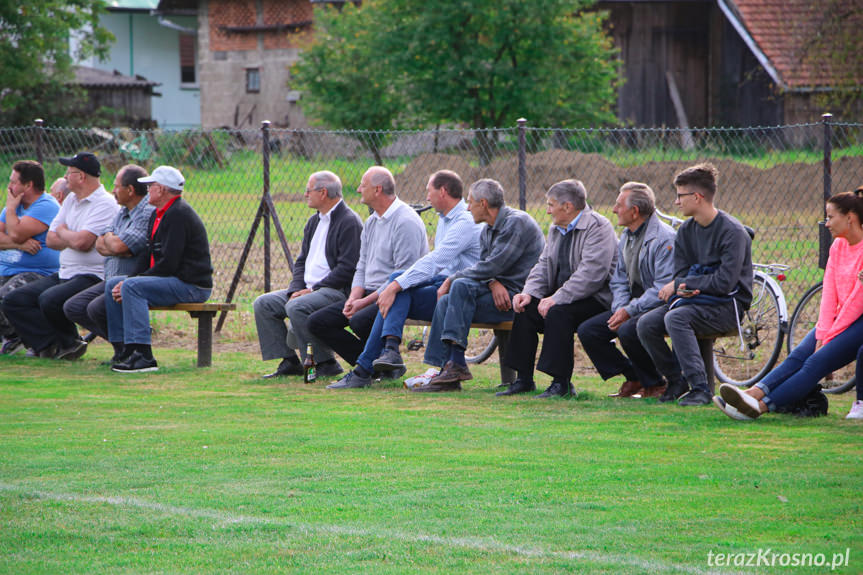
[[217, 471]]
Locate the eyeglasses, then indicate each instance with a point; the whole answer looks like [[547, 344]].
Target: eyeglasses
[[686, 194]]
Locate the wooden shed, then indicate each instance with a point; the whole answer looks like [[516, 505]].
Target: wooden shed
[[128, 96]]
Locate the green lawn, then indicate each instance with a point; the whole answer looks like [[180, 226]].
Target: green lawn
[[217, 471]]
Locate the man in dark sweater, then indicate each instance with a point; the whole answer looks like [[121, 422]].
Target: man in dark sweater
[[711, 289], [322, 276], [180, 271]]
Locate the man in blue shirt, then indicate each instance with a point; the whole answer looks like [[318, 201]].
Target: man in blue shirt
[[24, 222]]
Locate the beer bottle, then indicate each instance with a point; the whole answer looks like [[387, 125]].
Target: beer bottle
[[309, 374]]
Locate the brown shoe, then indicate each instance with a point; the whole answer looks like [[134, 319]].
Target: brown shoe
[[627, 389], [655, 391], [452, 373], [437, 387]]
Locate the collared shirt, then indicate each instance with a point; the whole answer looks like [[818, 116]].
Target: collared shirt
[[631, 248], [317, 267], [93, 214], [456, 247], [130, 227], [563, 231]]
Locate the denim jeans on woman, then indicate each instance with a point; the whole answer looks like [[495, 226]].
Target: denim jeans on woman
[[795, 377]]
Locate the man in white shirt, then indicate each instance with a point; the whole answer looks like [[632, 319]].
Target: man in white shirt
[[322, 276], [36, 310]]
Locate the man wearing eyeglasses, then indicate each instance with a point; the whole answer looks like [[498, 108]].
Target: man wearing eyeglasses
[[321, 277], [711, 289], [36, 310]]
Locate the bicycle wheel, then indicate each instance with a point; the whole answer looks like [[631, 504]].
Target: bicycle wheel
[[803, 321], [762, 340], [481, 344]]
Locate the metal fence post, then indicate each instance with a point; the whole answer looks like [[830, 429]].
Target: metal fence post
[[38, 129], [824, 237], [522, 164], [265, 138]]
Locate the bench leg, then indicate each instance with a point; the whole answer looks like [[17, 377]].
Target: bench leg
[[507, 374], [205, 336], [706, 348]]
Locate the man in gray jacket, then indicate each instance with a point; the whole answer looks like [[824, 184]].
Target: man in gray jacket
[[645, 263], [568, 285]]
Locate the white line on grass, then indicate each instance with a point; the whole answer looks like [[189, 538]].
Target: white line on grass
[[484, 544]]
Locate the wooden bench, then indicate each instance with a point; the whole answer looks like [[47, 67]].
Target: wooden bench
[[501, 332], [204, 313]]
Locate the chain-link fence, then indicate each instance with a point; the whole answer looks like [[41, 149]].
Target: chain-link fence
[[772, 178]]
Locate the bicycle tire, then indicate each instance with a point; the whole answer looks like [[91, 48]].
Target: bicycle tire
[[763, 337], [485, 351], [803, 320]]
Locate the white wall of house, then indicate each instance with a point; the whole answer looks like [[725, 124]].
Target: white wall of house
[[152, 50]]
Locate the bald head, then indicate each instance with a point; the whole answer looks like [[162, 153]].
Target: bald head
[[59, 189]]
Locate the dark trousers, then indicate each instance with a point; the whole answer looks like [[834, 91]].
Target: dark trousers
[[330, 325], [87, 309], [559, 327], [598, 341], [36, 310]]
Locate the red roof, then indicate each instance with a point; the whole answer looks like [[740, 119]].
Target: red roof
[[808, 43]]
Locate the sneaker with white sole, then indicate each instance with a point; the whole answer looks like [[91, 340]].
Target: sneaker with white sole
[[729, 410], [422, 378], [856, 410], [743, 402]]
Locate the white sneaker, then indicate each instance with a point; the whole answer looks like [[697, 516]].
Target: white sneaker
[[856, 410], [729, 410], [421, 379]]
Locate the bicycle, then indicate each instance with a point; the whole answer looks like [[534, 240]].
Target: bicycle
[[803, 320], [743, 357]]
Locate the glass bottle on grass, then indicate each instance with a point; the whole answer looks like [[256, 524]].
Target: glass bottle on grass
[[309, 371]]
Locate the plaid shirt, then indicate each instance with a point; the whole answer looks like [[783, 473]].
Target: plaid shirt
[[131, 228]]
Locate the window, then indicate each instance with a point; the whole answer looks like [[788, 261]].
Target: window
[[188, 73], [253, 80]]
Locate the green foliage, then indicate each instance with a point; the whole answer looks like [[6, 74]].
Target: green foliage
[[36, 60]]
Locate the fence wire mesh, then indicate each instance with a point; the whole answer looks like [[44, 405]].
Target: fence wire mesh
[[771, 178]]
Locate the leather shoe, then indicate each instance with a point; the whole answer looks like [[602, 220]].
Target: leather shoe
[[452, 373], [695, 397], [432, 387], [351, 381], [516, 387], [388, 360], [73, 351], [288, 366], [558, 389], [329, 368], [655, 391], [674, 391], [627, 389]]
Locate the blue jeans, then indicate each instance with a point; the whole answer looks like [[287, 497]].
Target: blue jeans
[[417, 302], [129, 321], [468, 301], [804, 367]]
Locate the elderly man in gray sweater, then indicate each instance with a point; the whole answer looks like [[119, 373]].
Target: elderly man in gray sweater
[[568, 285]]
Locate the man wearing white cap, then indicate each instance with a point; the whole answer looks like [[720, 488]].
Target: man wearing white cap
[[180, 271]]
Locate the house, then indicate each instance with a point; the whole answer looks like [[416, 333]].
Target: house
[[732, 62], [128, 97]]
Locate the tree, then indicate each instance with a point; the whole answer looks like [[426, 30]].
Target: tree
[[481, 63], [35, 55]]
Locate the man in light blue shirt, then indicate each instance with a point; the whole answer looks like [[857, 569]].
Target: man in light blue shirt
[[413, 293]]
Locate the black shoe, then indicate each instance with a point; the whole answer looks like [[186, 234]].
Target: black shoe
[[518, 386], [674, 391], [137, 363], [72, 352], [389, 360], [558, 389], [329, 368], [288, 366], [48, 352], [695, 397], [394, 374]]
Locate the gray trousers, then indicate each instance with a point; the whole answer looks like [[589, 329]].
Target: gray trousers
[[8, 284], [277, 338], [684, 324], [87, 309]]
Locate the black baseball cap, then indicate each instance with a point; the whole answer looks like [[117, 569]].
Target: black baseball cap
[[86, 162]]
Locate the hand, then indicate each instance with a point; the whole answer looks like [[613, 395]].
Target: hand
[[520, 301], [500, 296], [667, 291], [116, 293], [545, 304], [683, 292], [299, 293], [617, 319], [388, 297], [352, 306], [444, 288], [12, 201], [30, 246]]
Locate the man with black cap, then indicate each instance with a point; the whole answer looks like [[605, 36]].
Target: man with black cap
[[180, 271], [36, 310]]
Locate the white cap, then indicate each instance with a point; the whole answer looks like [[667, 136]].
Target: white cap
[[166, 176]]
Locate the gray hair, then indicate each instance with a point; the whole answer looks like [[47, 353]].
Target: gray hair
[[640, 196], [329, 181], [488, 190], [380, 176], [571, 191]]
